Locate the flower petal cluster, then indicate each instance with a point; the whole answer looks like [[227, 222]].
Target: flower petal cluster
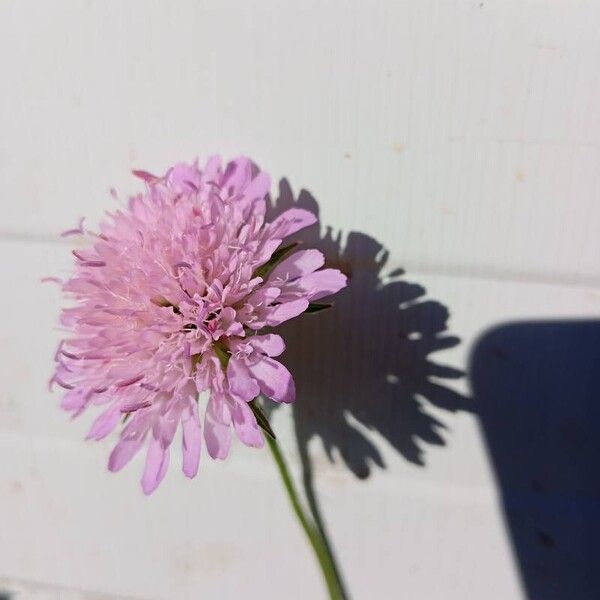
[[168, 300]]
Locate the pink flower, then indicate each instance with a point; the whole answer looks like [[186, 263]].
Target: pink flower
[[168, 300]]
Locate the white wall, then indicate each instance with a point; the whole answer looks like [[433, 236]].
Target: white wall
[[463, 135]]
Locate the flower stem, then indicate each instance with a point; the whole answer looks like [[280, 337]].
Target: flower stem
[[321, 549], [313, 506]]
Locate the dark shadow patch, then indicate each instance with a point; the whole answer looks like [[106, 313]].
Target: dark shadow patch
[[535, 387]]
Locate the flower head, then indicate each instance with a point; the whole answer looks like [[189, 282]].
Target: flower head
[[168, 299]]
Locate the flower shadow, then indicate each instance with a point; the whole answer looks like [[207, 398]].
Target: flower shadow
[[365, 364], [368, 360]]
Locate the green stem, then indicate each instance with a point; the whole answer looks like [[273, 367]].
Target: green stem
[[314, 537], [313, 506]]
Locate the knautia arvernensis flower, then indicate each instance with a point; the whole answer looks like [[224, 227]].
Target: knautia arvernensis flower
[[168, 299]]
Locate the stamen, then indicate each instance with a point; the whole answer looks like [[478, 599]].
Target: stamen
[[66, 386], [59, 349], [192, 185], [52, 280], [76, 231], [150, 388], [93, 263], [130, 381], [132, 407], [145, 176]]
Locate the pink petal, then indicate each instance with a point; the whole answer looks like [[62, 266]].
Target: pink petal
[[212, 168], [237, 175], [245, 425], [184, 178], [241, 385], [270, 344], [298, 264], [288, 310], [218, 408], [75, 399], [266, 251], [123, 452], [259, 187], [254, 195], [263, 296], [157, 463], [274, 379], [132, 439], [105, 423], [166, 426], [192, 440], [216, 435], [145, 176], [323, 283], [227, 324], [291, 221]]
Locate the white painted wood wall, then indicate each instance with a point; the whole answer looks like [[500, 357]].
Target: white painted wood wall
[[463, 135]]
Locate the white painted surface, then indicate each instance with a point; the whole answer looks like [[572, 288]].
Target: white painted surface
[[464, 136]]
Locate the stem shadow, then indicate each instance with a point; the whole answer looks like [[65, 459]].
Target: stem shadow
[[367, 362]]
